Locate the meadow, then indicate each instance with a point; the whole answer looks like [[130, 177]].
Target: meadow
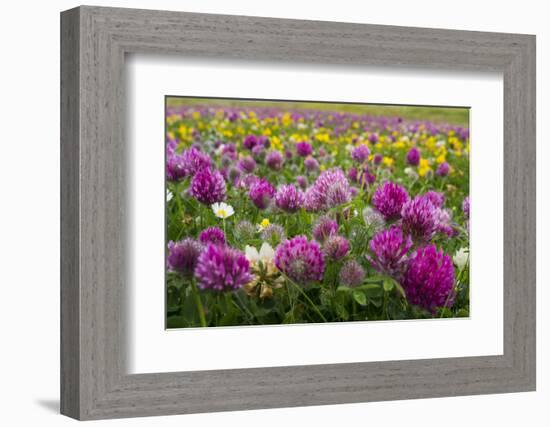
[[297, 212]]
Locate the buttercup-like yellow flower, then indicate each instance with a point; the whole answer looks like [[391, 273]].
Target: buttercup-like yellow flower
[[387, 161], [264, 224], [424, 167], [399, 145]]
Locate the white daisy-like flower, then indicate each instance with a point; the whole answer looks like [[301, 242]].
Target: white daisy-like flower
[[222, 210], [460, 257]]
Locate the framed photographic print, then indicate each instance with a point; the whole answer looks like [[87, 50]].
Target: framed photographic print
[[306, 212], [345, 212]]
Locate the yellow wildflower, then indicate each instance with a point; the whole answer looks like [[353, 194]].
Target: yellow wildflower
[[323, 137], [286, 119], [399, 145], [441, 158], [387, 161], [264, 224], [276, 143], [424, 167]]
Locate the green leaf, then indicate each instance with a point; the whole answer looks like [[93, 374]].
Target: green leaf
[[189, 311], [371, 290], [172, 298], [375, 279], [377, 302], [343, 288], [360, 297], [389, 284], [325, 298], [341, 311]]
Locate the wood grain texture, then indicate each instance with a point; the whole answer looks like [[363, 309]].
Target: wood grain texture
[[94, 270], [70, 291]]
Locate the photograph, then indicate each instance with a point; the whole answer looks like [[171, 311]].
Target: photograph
[[292, 212]]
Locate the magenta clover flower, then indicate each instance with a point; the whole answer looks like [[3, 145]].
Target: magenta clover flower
[[258, 153], [300, 259], [444, 222], [324, 228], [413, 156], [336, 247], [250, 141], [212, 235], [182, 256], [208, 186], [274, 160], [311, 164], [429, 279], [366, 178], [188, 163], [437, 198], [174, 167], [222, 268], [389, 198], [301, 181], [420, 218], [247, 164], [360, 153], [289, 198], [261, 192], [303, 149], [352, 174], [311, 200], [351, 274], [194, 161], [331, 188], [443, 169], [389, 251]]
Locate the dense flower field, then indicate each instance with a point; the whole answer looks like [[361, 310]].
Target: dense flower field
[[279, 215]]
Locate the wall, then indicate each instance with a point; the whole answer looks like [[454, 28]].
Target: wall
[[29, 233]]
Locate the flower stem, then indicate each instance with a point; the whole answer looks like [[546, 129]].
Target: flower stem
[[198, 303], [307, 298]]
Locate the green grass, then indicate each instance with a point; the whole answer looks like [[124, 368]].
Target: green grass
[[452, 115]]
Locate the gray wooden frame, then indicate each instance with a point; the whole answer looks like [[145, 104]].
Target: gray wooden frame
[[94, 41]]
